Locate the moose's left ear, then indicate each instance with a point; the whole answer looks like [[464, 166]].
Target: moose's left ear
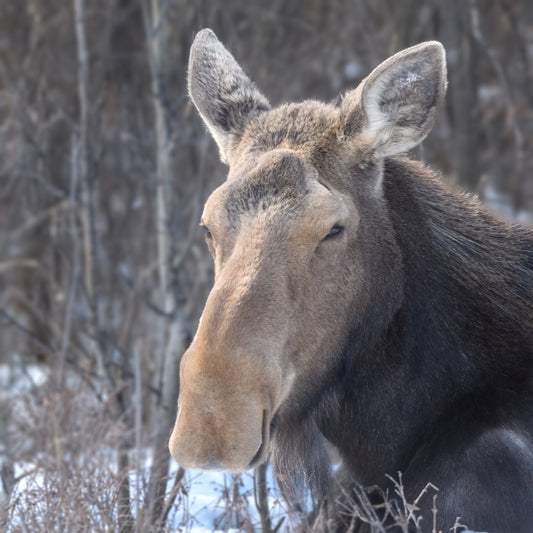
[[395, 107], [224, 96]]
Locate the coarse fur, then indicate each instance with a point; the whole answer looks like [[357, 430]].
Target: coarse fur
[[358, 301]]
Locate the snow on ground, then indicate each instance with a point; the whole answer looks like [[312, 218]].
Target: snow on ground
[[207, 508], [17, 378]]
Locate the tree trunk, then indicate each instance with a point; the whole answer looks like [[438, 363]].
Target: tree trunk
[[174, 329], [463, 87]]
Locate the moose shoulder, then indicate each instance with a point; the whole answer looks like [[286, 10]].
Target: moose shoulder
[[358, 301]]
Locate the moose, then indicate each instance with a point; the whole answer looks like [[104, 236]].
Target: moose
[[358, 303]]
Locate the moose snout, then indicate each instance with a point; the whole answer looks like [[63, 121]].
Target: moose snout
[[231, 384], [231, 437]]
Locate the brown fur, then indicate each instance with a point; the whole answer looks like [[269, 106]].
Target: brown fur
[[356, 300]]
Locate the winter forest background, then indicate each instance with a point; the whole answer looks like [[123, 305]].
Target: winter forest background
[[104, 169]]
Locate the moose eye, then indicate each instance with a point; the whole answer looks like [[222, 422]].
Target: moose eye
[[335, 231], [207, 232]]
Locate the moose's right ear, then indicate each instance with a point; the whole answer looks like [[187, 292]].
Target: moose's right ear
[[224, 96]]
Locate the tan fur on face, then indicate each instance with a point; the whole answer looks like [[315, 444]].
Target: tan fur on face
[[239, 370]]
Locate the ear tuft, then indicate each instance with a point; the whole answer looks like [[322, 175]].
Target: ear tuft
[[224, 96], [399, 100]]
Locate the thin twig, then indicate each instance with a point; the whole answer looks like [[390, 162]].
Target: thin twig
[[176, 487]]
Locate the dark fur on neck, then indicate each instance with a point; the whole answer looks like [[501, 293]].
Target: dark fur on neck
[[453, 363]]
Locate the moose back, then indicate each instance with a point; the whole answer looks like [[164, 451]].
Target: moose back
[[358, 301]]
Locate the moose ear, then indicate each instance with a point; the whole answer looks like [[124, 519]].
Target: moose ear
[[224, 96], [395, 107]]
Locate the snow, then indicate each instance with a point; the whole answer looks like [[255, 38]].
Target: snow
[[208, 503], [17, 378]]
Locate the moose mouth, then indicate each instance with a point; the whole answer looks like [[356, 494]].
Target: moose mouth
[[261, 453]]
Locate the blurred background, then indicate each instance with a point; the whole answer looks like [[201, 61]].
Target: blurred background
[[104, 169]]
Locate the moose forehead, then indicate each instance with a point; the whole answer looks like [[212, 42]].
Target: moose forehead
[[280, 182], [278, 178], [281, 152]]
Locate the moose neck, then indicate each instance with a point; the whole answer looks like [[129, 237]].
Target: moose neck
[[433, 356]]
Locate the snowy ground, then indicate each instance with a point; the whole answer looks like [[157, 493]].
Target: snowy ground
[[205, 509]]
